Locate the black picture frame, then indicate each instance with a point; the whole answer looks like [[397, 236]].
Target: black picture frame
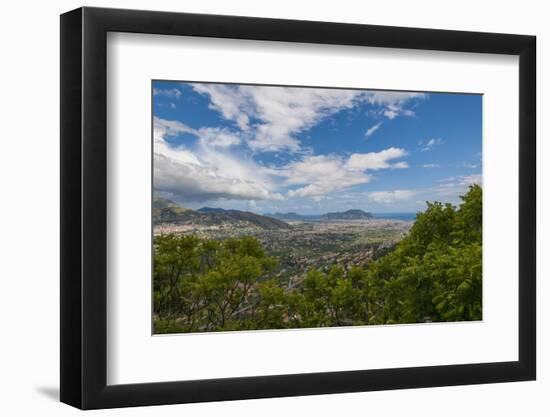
[[84, 207]]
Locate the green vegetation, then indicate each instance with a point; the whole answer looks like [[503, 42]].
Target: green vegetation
[[433, 274]]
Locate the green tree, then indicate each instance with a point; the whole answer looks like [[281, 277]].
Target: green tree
[[177, 263], [202, 285], [433, 274]]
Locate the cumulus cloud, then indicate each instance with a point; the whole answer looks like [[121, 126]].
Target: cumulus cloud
[[377, 160], [390, 197], [275, 115], [212, 165], [429, 144], [217, 137], [370, 131], [202, 181], [206, 172], [323, 174], [279, 113], [210, 170]]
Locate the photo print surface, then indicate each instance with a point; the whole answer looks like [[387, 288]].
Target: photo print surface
[[284, 207]]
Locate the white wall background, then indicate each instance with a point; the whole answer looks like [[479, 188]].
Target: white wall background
[[29, 225]]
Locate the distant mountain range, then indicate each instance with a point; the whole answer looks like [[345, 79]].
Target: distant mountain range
[[354, 214], [289, 216], [166, 211], [161, 203]]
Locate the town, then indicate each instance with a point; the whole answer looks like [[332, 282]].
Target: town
[[305, 245]]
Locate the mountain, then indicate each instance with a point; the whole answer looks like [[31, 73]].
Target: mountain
[[166, 211], [354, 214], [161, 203], [213, 210], [287, 216], [218, 215], [345, 215]]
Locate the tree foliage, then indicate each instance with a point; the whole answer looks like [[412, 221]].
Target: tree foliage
[[433, 274]]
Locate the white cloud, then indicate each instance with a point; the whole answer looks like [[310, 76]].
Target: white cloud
[[268, 119], [430, 144], [323, 174], [391, 112], [167, 92], [470, 179], [162, 128], [228, 100], [210, 171], [370, 131], [377, 160], [393, 97], [213, 136], [431, 166], [462, 180], [279, 113], [393, 102], [273, 116], [203, 181], [390, 197], [455, 186], [206, 173], [221, 138]]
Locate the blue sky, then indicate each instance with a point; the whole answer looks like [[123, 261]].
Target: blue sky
[[312, 150]]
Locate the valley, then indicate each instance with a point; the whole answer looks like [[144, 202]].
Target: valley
[[349, 239]]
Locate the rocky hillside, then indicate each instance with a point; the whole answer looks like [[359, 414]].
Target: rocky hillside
[[166, 211]]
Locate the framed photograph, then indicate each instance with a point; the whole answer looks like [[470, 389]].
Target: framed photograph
[[257, 208]]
